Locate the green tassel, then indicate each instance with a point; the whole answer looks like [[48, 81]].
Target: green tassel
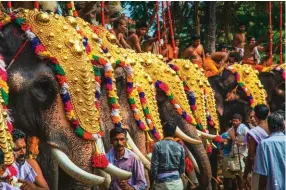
[[79, 131], [240, 84], [146, 110], [131, 101], [171, 97], [111, 100], [117, 62], [4, 96], [95, 57], [199, 127], [96, 71], [57, 69], [20, 21]]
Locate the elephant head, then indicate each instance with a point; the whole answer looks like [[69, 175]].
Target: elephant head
[[274, 84], [43, 105]]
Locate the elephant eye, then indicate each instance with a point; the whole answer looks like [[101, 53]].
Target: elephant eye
[[44, 92]]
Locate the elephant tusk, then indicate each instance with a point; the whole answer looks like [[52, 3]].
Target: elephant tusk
[[74, 171], [190, 155], [149, 156], [135, 149], [117, 172], [179, 133], [107, 177], [206, 135]]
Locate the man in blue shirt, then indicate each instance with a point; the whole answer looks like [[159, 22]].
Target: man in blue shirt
[[270, 156]]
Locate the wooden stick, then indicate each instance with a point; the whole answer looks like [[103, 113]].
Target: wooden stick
[[9, 7], [281, 25], [164, 15], [102, 13], [270, 30], [36, 5], [171, 29], [158, 28]]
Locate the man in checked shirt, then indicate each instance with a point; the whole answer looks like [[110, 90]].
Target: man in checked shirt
[[168, 161]]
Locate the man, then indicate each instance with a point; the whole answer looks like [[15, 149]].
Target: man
[[167, 49], [195, 52], [210, 66], [28, 172], [251, 51], [270, 163], [126, 160], [151, 44], [142, 28], [237, 134], [168, 161], [177, 49], [239, 40], [119, 29], [254, 137], [220, 57]]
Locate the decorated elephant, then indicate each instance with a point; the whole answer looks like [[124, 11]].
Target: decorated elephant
[[57, 94], [238, 89]]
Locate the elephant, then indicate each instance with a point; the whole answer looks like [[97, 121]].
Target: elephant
[[274, 84], [38, 107]]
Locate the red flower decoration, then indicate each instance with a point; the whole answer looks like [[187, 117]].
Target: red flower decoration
[[189, 165], [218, 139], [99, 160]]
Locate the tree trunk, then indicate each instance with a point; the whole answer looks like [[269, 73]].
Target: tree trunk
[[210, 12], [197, 18]]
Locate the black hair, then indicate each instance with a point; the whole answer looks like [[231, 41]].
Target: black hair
[[141, 24], [117, 22], [261, 111], [195, 37], [207, 51], [18, 134], [169, 128], [1, 157], [249, 38], [276, 122], [236, 56], [281, 112], [115, 131], [237, 116], [221, 46]]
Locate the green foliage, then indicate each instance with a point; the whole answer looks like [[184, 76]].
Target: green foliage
[[228, 15]]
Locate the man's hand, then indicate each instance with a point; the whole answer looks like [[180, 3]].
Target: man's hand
[[27, 185], [124, 185]]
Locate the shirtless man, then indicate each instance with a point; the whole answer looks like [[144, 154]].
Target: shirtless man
[[195, 52], [119, 29], [142, 28], [151, 44], [239, 40], [252, 48], [220, 56]]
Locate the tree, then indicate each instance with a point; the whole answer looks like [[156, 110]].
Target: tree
[[210, 14]]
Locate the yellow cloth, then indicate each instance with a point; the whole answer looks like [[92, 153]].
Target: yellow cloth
[[210, 67]]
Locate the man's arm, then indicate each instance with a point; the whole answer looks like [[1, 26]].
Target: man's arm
[[154, 164], [152, 18], [123, 43], [262, 182], [187, 52], [40, 181], [138, 172], [135, 41], [251, 154]]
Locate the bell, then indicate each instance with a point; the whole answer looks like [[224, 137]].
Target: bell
[[187, 66], [42, 17], [71, 20]]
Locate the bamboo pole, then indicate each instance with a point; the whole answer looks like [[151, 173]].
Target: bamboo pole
[[158, 28], [36, 5], [270, 31], [171, 29], [9, 7], [281, 26], [102, 13], [164, 15]]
